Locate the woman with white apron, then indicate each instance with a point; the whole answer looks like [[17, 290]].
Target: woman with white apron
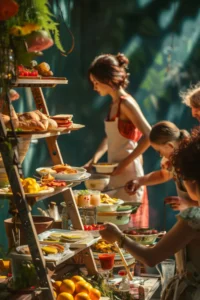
[[124, 127]]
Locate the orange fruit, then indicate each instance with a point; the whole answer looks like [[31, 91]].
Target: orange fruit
[[82, 286], [90, 286], [65, 296], [94, 294], [82, 296], [57, 285], [77, 278], [67, 286], [55, 294]]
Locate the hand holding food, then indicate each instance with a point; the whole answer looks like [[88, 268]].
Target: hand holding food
[[111, 233], [178, 203]]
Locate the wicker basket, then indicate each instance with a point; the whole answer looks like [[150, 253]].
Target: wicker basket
[[23, 146]]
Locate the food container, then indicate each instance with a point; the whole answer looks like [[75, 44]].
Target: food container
[[144, 236], [104, 207], [95, 199], [63, 176], [105, 168], [84, 200], [118, 218], [97, 182], [41, 224]]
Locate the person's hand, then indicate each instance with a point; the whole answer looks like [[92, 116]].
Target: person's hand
[[111, 233], [13, 95], [132, 186], [178, 203], [88, 165], [121, 167]]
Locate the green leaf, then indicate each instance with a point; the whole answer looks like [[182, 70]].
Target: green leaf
[[159, 59]]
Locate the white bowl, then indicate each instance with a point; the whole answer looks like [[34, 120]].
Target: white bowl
[[64, 176], [105, 168], [117, 218], [97, 182], [109, 207]]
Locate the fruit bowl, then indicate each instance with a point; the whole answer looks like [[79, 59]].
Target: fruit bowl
[[144, 236]]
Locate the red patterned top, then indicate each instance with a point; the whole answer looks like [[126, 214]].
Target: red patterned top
[[126, 128]]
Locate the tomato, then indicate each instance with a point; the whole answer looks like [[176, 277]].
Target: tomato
[[90, 227], [133, 232], [85, 227], [154, 231]]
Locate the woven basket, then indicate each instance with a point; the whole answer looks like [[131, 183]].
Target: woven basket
[[23, 146]]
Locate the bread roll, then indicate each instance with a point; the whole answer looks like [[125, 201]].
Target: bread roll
[[40, 115], [52, 124]]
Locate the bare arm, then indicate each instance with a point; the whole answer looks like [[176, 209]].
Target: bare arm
[[156, 177], [152, 178], [177, 238], [101, 150]]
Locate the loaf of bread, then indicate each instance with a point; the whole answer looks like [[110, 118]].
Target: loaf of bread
[[31, 125]]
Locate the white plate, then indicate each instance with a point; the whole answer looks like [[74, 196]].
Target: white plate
[[82, 178], [48, 170], [62, 176], [85, 240], [49, 190]]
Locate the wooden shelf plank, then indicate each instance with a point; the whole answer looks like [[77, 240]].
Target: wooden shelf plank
[[39, 82], [73, 252]]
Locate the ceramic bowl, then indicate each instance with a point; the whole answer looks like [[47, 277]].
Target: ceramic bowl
[[117, 218], [144, 239], [105, 168], [97, 182]]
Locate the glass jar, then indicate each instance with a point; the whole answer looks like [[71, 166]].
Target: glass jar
[[125, 283], [95, 199]]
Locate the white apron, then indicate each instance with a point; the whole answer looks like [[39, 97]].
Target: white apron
[[119, 148]]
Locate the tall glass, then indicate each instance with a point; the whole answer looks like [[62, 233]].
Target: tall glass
[[107, 263], [167, 272]]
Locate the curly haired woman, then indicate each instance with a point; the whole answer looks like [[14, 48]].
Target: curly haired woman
[[184, 237]]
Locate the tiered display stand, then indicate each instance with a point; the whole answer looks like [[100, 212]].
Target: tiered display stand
[[9, 156]]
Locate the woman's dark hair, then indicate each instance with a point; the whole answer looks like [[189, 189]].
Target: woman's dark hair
[[186, 159], [165, 131], [110, 69]]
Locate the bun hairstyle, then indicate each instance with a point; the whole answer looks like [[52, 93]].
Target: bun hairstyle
[[110, 69], [192, 96], [186, 159], [164, 132]]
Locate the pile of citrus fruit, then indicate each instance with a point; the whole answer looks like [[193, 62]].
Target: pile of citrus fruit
[[75, 288]]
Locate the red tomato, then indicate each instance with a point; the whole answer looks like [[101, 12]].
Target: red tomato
[[90, 227], [133, 232]]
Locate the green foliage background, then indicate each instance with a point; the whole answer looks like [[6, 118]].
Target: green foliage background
[[161, 39]]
